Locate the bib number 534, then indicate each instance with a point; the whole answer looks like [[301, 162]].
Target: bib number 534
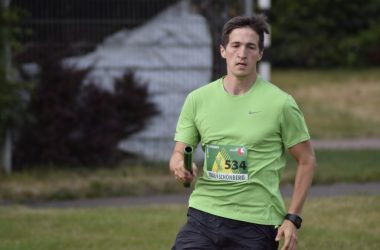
[[233, 164]]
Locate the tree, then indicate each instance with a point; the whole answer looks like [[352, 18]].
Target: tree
[[215, 13], [78, 124], [322, 33], [12, 103]]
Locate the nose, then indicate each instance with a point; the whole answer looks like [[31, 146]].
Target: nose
[[242, 52]]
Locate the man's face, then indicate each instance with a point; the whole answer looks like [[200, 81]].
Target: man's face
[[242, 52]]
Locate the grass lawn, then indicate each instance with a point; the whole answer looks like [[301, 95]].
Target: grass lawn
[[336, 223], [341, 166], [336, 103], [65, 184]]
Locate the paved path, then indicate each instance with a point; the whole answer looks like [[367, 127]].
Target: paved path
[[372, 188], [359, 143], [316, 191]]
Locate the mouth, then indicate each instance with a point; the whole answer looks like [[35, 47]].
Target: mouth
[[241, 64]]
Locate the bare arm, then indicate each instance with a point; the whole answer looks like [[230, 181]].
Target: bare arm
[[303, 153], [177, 166]]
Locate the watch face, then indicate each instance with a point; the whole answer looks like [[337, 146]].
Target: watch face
[[295, 219], [298, 222]]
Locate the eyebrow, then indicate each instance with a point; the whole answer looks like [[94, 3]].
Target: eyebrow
[[249, 44]]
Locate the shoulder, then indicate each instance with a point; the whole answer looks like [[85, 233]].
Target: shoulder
[[207, 88], [202, 94], [271, 88], [205, 91], [272, 92]]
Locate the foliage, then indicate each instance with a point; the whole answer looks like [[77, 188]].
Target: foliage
[[10, 26], [315, 33], [80, 124], [213, 11], [310, 33], [13, 98], [94, 19], [12, 92]]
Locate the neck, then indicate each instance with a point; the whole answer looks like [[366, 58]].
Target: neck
[[238, 86]]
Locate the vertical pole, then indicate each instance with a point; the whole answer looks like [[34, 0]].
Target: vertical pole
[[184, 6], [248, 7], [5, 50], [6, 154], [265, 65]]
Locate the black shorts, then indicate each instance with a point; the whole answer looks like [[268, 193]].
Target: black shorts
[[207, 231]]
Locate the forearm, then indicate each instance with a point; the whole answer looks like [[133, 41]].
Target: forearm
[[304, 155], [303, 180], [176, 159], [177, 156]]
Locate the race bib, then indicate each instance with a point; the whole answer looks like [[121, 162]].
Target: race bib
[[227, 163]]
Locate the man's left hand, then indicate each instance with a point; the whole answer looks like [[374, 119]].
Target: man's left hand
[[289, 231]]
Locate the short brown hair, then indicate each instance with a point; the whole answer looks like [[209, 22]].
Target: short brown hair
[[258, 23]]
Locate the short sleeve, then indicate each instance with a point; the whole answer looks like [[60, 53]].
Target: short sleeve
[[293, 126], [186, 130]]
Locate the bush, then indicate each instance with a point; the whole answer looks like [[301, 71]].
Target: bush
[[315, 33], [12, 91], [80, 124]]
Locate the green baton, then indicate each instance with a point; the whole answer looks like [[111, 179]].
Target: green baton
[[188, 158]]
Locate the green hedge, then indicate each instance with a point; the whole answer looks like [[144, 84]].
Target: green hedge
[[12, 90], [78, 124], [325, 33]]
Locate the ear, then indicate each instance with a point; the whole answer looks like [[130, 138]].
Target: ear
[[261, 54], [222, 51]]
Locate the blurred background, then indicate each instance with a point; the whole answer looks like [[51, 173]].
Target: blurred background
[[98, 84], [91, 90]]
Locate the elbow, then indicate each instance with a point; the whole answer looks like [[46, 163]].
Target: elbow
[[311, 162]]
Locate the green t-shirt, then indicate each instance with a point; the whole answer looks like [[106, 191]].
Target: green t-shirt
[[244, 138]]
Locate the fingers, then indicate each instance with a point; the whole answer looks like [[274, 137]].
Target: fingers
[[181, 174], [289, 232], [279, 235], [195, 169], [290, 242]]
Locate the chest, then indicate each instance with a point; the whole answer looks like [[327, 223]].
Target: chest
[[238, 122]]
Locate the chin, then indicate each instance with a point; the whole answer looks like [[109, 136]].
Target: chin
[[241, 74]]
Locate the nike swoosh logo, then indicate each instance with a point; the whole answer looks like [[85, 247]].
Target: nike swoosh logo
[[253, 112]]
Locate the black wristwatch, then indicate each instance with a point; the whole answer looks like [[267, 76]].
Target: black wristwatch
[[295, 219]]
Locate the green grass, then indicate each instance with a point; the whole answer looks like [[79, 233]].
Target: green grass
[[64, 184], [336, 103], [338, 223], [102, 228], [341, 223], [341, 166]]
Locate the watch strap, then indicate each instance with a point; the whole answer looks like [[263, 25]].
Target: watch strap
[[295, 219]]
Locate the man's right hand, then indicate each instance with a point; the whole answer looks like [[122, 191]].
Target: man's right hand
[[177, 165]]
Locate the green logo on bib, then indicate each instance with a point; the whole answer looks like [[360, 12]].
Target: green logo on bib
[[227, 163]]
